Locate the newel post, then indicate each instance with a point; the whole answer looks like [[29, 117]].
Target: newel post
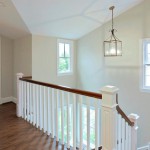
[[134, 118], [19, 101], [109, 141]]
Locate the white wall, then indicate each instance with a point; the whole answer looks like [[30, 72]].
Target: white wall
[[44, 62], [6, 67], [22, 58], [95, 71]]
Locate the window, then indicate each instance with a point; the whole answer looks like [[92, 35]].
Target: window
[[64, 57], [146, 64]]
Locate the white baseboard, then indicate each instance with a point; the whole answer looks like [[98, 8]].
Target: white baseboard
[[14, 100], [144, 148], [8, 99]]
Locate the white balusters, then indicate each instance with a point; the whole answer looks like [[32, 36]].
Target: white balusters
[[81, 125], [54, 111], [44, 109], [41, 109], [28, 100], [127, 137], [96, 124], [37, 106], [21, 95], [68, 120], [119, 132], [74, 122], [62, 115], [57, 99], [49, 111], [52, 114], [123, 134], [34, 105], [25, 100], [88, 124]]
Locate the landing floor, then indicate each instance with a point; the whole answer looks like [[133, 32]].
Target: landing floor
[[17, 134]]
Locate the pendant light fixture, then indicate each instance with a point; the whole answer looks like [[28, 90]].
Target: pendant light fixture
[[112, 46]]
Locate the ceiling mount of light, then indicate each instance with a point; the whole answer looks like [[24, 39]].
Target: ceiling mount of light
[[112, 46]]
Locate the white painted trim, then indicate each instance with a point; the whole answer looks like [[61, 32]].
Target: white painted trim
[[144, 148], [14, 100], [71, 43], [143, 43], [8, 99]]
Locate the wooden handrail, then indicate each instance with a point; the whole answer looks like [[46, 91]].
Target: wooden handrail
[[64, 88], [119, 110], [27, 77]]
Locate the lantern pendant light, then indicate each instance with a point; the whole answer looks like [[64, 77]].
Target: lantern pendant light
[[112, 46]]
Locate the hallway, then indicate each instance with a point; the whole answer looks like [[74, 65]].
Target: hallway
[[17, 134]]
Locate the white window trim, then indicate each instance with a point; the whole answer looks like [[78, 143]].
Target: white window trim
[[71, 56], [143, 87]]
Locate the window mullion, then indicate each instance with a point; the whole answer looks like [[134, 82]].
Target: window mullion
[[64, 50]]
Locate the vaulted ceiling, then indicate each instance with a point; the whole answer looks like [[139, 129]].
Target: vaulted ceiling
[[62, 18]]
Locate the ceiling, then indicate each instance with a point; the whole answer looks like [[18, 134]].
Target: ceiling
[[70, 19]]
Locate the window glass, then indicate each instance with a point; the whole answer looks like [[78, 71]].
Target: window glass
[[147, 81], [67, 50], [61, 50], [148, 48], [147, 70], [146, 64], [65, 57]]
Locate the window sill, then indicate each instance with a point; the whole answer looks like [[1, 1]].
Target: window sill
[[65, 74], [146, 90]]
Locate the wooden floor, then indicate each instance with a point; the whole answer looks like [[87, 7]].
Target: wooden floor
[[17, 134]]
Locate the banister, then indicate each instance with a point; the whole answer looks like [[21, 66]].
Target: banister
[[64, 88], [119, 110], [27, 77]]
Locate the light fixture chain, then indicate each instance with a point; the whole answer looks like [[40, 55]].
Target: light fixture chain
[[112, 19]]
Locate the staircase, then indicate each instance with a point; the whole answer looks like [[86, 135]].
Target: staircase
[[76, 118]]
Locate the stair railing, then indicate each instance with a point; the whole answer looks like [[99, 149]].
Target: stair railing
[[80, 119]]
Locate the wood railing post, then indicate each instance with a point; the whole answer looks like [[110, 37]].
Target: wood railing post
[[19, 101], [109, 141], [134, 118]]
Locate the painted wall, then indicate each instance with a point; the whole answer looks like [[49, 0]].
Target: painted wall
[[94, 71], [22, 58], [44, 62], [6, 67]]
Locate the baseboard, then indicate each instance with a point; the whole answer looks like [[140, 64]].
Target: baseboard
[[14, 100], [144, 148], [8, 99]]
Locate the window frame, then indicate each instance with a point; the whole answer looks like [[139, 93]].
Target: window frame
[[145, 42], [70, 42]]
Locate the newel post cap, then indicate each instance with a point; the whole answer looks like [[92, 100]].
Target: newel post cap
[[134, 117], [109, 89], [19, 74], [109, 96]]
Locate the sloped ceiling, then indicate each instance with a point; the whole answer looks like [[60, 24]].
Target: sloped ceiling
[[11, 23], [62, 18]]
